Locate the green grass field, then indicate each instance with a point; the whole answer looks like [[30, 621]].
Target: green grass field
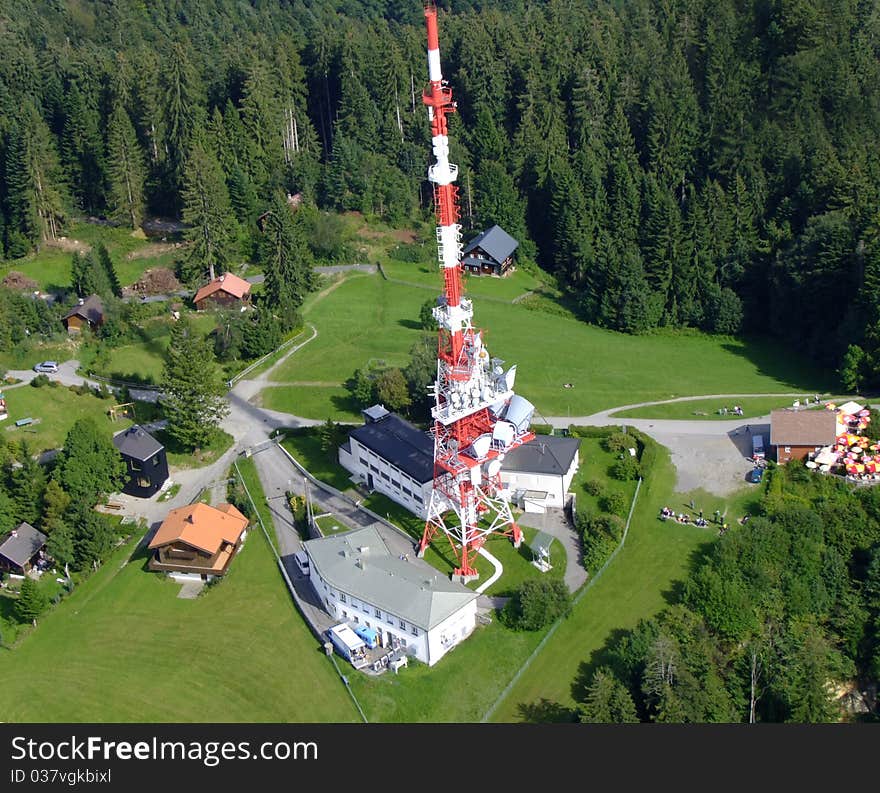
[[639, 583], [124, 648], [708, 408], [324, 402], [50, 267], [25, 356], [57, 409], [306, 449], [368, 320]]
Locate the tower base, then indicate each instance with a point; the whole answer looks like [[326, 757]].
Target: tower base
[[462, 577]]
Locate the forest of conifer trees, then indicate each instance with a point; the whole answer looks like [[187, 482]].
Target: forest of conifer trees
[[674, 163]]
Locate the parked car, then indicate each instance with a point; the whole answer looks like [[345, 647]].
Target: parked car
[[756, 475], [46, 366]]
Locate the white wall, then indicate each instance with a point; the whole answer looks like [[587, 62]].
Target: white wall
[[453, 630], [387, 478], [428, 647], [555, 486]]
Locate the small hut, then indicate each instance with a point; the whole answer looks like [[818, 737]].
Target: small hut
[[541, 551]]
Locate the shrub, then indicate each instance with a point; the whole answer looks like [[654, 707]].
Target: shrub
[[617, 442], [626, 468], [40, 380], [615, 503], [594, 487], [537, 603], [600, 535]]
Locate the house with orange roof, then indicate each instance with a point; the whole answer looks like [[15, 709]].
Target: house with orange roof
[[226, 291], [198, 541]]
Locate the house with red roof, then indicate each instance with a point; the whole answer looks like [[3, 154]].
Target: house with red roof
[[198, 541], [226, 291]]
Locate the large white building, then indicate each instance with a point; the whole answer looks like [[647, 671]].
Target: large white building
[[391, 456], [407, 602]]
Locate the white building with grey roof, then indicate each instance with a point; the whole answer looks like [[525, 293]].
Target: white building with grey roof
[[406, 601], [391, 456]]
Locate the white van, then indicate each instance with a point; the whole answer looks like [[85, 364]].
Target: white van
[[757, 447], [301, 560]]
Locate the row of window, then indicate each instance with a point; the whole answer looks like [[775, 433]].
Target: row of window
[[394, 469], [372, 610]]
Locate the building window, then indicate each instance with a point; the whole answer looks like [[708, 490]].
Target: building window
[[414, 630], [403, 642], [378, 613], [135, 466], [342, 597], [787, 449], [402, 624], [156, 460], [355, 617], [386, 477], [374, 469], [363, 460], [344, 614], [366, 623]]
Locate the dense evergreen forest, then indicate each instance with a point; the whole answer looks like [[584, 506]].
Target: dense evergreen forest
[[675, 163], [770, 622]]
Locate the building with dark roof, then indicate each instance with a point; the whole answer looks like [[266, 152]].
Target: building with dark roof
[[409, 605], [86, 313], [145, 459], [21, 548], [795, 434], [539, 473], [490, 253], [390, 455]]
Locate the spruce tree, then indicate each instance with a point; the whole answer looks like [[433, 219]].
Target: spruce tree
[[126, 172], [89, 466], [207, 210], [286, 261], [194, 401], [31, 602]]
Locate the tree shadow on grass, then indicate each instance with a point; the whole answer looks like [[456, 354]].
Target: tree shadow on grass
[[545, 711], [696, 557], [600, 657], [784, 365], [346, 404], [409, 324]]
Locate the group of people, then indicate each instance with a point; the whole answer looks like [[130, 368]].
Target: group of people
[[736, 410], [680, 517]]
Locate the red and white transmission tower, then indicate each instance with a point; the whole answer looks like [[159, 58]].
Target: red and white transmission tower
[[477, 417]]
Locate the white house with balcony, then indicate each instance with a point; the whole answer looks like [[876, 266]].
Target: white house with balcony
[[410, 605]]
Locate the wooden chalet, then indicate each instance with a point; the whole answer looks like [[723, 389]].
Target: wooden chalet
[[86, 313], [198, 540], [21, 548], [490, 253], [226, 291]]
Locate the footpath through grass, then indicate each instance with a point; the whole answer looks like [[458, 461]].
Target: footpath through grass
[[708, 408], [124, 648], [638, 584], [367, 320]]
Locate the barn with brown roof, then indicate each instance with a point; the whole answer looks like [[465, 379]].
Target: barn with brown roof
[[225, 291], [795, 434], [198, 540]]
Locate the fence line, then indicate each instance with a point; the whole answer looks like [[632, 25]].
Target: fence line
[[261, 361], [528, 662], [290, 587], [339, 494]]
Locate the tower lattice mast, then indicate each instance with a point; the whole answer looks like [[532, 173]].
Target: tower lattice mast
[[477, 417]]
